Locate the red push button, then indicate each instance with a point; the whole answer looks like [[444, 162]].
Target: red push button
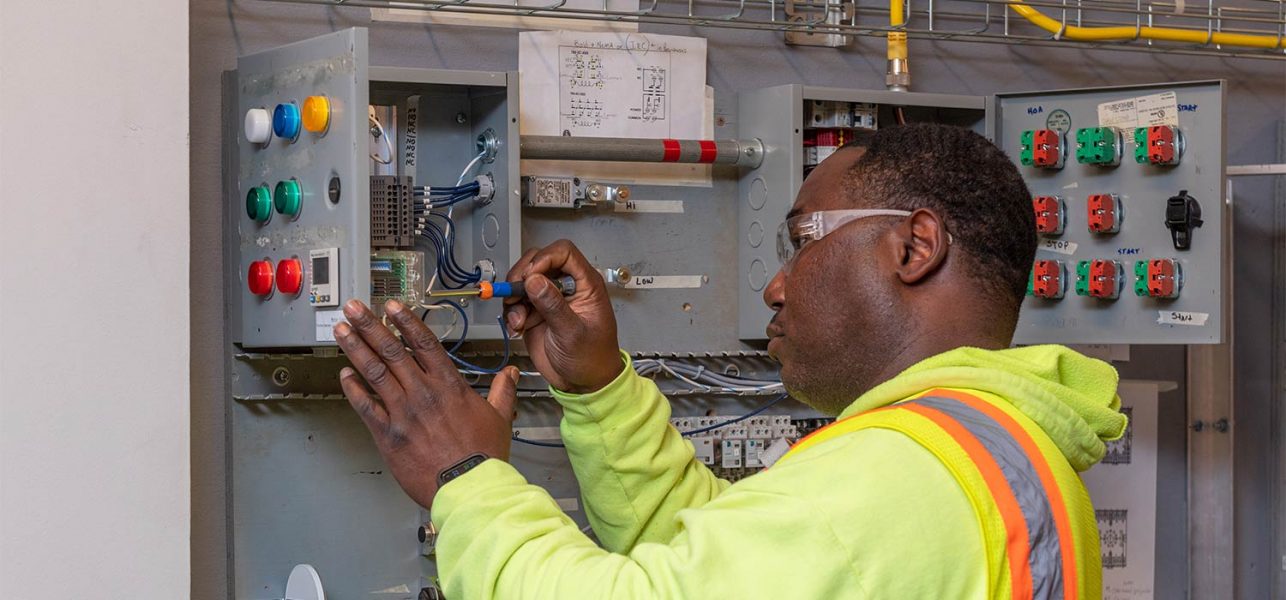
[[260, 277], [290, 276]]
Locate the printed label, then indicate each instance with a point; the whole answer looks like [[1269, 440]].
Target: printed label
[[326, 322], [1143, 111]]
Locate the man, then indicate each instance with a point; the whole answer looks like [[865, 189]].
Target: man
[[950, 474]]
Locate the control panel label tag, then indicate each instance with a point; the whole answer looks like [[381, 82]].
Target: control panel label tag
[[1059, 246], [656, 282], [326, 322], [1143, 111], [1174, 317], [649, 206]]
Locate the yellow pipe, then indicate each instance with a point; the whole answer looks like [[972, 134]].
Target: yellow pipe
[[898, 77], [897, 39], [1126, 32]]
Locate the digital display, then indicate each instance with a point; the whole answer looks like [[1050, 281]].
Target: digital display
[[321, 270]]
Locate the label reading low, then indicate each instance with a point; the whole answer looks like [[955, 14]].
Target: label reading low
[[658, 282], [1059, 246], [1174, 317], [326, 322]]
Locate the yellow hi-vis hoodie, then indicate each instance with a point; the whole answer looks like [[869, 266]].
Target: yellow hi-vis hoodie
[[868, 514]]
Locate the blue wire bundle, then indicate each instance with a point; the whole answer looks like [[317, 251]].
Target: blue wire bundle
[[442, 197], [464, 333], [452, 274]]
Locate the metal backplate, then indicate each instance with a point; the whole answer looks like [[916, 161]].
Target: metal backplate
[[333, 66], [1143, 191]]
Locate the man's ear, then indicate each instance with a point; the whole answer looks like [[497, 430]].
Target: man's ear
[[923, 243]]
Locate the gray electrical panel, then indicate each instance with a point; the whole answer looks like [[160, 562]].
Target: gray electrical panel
[[794, 122], [302, 234], [1138, 175]]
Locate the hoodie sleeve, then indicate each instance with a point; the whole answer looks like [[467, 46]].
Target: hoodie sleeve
[[501, 537], [634, 469]]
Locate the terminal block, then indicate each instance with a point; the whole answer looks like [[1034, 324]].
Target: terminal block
[[1050, 214], [1047, 280], [1158, 278], [1099, 146], [392, 212], [1100, 279], [1042, 148], [1160, 145], [1104, 213]]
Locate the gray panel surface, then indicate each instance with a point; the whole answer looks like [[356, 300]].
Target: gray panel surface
[[1143, 190], [333, 66], [775, 116]]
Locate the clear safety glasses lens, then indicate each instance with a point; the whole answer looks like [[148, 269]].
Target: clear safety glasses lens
[[801, 230]]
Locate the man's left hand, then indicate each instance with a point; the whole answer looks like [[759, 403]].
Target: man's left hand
[[426, 418]]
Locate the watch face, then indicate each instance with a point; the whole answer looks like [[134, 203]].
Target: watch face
[[460, 468]]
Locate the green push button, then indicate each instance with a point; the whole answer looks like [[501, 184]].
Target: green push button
[[259, 204], [287, 197]]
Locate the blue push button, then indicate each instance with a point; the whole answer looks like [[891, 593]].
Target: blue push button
[[286, 121]]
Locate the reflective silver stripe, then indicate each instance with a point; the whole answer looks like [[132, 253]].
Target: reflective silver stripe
[[1044, 553]]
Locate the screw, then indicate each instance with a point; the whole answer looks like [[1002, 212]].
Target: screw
[[281, 376], [1198, 425], [1221, 425], [461, 118]]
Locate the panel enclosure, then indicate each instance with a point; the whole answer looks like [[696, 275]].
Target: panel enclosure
[[776, 116], [334, 67], [332, 169], [1142, 192]]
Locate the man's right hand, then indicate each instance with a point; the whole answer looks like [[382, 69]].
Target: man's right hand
[[571, 339]]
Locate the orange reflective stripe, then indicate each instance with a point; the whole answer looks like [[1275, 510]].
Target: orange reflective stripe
[[1015, 524], [1062, 522]]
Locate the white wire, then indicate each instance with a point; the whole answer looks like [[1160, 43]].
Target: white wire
[[388, 143]]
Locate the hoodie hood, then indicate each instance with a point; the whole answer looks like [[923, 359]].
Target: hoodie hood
[[1070, 396]]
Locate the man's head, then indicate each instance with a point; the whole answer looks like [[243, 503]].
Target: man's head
[[880, 293]]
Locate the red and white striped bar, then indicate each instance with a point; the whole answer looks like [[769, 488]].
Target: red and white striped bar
[[741, 153]]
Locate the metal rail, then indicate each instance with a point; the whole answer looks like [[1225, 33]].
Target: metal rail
[[985, 21], [741, 153]]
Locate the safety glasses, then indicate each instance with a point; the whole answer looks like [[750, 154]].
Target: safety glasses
[[801, 230]]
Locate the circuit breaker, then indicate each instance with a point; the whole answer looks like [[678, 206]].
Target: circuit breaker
[[1128, 193], [365, 182], [800, 126]]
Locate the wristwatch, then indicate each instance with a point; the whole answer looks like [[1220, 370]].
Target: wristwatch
[[460, 468]]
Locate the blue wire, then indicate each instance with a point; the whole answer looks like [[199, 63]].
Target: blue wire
[[503, 361], [762, 408]]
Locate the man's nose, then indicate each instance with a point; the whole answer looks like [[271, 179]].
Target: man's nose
[[775, 293]]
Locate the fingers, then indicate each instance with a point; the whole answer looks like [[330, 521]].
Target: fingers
[[564, 257], [376, 352], [504, 391], [372, 413], [518, 270], [549, 303], [426, 347]]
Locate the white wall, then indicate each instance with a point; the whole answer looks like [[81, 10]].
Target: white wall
[[94, 301]]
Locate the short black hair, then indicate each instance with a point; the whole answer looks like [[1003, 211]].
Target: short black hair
[[971, 183]]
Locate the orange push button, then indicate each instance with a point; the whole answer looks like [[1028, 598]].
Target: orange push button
[[316, 114]]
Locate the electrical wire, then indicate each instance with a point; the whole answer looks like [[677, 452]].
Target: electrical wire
[[733, 421], [504, 360], [464, 331]]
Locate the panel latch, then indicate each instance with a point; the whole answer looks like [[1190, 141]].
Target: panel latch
[[1182, 215]]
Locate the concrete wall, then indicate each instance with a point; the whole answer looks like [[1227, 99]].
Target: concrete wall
[[94, 301], [223, 29]]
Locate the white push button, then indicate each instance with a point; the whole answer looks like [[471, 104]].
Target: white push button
[[258, 126]]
